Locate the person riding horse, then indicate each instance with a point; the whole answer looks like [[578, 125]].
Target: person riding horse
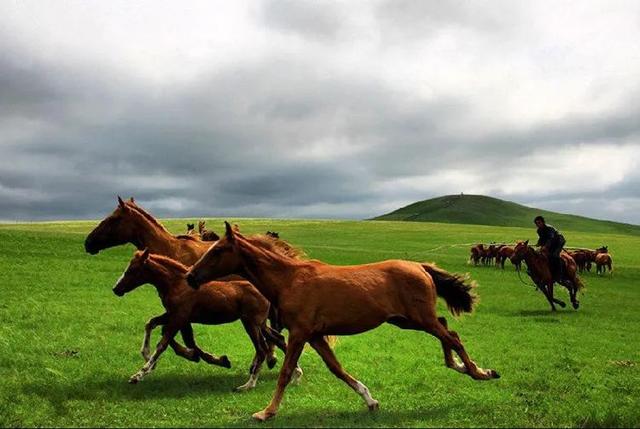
[[551, 240]]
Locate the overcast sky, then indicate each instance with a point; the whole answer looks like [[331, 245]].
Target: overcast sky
[[317, 109]]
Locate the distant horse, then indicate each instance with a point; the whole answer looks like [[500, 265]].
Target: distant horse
[[191, 229], [538, 270], [477, 253], [206, 234], [603, 261], [581, 258], [490, 254], [504, 253], [213, 304], [318, 299]]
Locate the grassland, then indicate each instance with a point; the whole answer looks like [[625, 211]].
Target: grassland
[[68, 345]]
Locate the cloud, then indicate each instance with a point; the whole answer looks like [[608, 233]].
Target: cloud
[[309, 109]]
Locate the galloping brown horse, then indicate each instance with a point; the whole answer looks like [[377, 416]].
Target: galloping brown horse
[[538, 270], [129, 223], [317, 299], [214, 303]]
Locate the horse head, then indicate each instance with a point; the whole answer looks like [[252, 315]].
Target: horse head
[[222, 259], [115, 229], [135, 274], [519, 251]]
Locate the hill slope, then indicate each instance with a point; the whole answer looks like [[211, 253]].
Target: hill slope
[[483, 210]]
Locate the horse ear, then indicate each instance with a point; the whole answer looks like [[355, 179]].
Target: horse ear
[[145, 254], [120, 202], [132, 200], [236, 227], [526, 243], [229, 232]]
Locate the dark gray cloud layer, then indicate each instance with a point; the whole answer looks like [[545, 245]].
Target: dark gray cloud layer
[[298, 134]]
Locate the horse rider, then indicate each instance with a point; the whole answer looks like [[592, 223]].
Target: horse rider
[[551, 239]]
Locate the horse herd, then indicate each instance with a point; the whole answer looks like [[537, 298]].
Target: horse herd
[[269, 285], [497, 254], [573, 261], [261, 278]]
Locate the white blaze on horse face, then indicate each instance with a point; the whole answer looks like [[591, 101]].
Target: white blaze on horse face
[[120, 278]]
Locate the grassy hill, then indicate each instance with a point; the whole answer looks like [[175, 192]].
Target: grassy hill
[[483, 210]]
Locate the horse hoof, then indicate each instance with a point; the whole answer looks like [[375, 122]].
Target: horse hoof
[[225, 362], [562, 304], [576, 305], [271, 362], [262, 416], [133, 380], [493, 373], [374, 406]]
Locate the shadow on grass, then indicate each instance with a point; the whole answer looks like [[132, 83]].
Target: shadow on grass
[[326, 417], [153, 387]]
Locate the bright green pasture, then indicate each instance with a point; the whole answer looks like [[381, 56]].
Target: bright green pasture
[[68, 344]]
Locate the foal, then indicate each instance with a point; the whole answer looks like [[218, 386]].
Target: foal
[[214, 303], [317, 299]]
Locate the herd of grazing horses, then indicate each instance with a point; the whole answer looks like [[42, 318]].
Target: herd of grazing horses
[[573, 261], [261, 278]]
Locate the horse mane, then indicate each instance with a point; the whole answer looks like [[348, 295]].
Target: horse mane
[[166, 261], [146, 215], [278, 246], [187, 237], [155, 222]]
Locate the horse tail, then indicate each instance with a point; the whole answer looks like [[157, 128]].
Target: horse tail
[[578, 282], [453, 288]]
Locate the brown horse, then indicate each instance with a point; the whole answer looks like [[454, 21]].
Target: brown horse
[[580, 256], [603, 261], [477, 253], [191, 229], [317, 299], [504, 253], [129, 223], [206, 234], [538, 270], [214, 303]]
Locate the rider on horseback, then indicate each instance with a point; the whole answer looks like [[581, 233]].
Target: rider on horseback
[[553, 241]]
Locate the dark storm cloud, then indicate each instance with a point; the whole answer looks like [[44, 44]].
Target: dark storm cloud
[[280, 135]]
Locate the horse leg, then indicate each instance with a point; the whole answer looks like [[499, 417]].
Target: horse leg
[[557, 301], [259, 343], [450, 339], [294, 349], [168, 332], [573, 291], [545, 292], [321, 346], [187, 336], [449, 359], [151, 324]]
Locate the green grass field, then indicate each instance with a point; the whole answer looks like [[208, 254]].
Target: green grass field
[[68, 344]]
